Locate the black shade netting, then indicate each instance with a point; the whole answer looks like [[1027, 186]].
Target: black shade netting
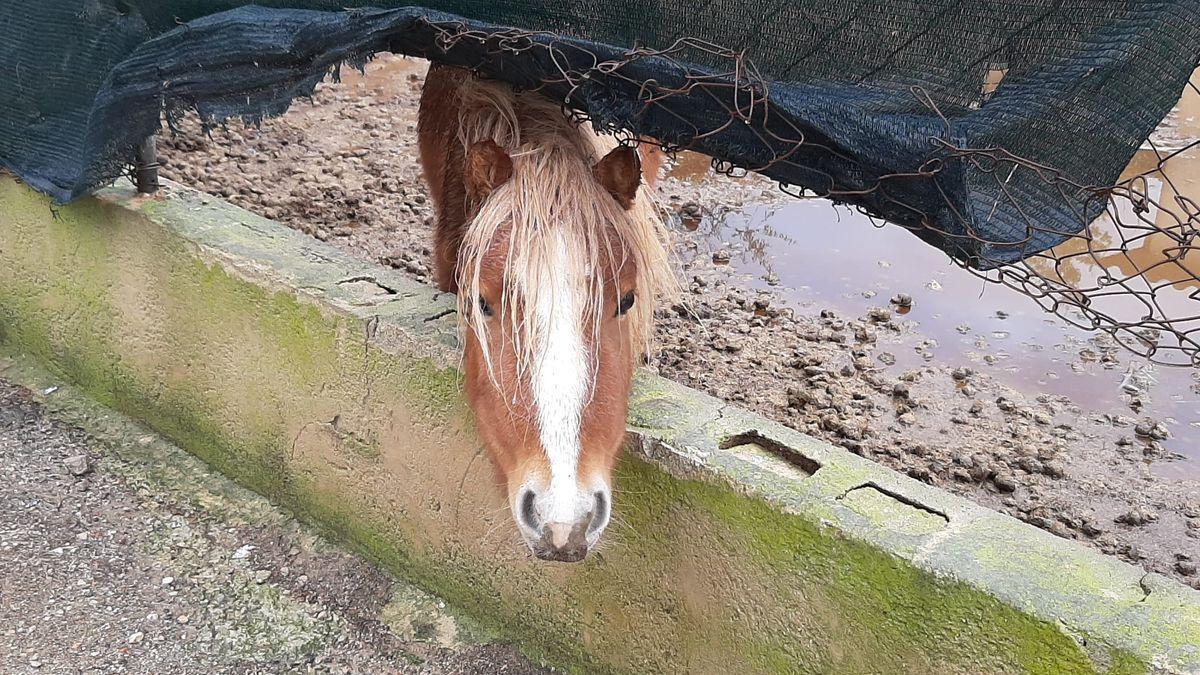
[[981, 126]]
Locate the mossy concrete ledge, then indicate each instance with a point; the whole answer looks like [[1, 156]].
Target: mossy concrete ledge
[[330, 386]]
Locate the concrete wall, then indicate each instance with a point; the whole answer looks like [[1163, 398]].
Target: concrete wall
[[329, 385]]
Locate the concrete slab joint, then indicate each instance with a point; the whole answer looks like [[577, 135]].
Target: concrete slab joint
[[330, 386]]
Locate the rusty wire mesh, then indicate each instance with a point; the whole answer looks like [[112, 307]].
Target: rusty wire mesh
[[1126, 268]]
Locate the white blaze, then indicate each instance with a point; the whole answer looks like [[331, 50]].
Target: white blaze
[[560, 384]]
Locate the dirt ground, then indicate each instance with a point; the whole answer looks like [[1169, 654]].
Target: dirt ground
[[343, 168], [107, 565]]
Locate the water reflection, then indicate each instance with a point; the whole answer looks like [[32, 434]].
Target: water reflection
[[824, 256], [1138, 261]]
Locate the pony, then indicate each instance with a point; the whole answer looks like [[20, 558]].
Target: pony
[[557, 253]]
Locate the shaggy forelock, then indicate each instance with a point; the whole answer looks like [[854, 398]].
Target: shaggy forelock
[[553, 194]]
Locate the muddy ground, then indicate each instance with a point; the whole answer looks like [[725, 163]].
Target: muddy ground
[[343, 168], [107, 566]]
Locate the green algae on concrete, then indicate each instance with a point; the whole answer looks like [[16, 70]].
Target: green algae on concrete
[[247, 618], [328, 385]]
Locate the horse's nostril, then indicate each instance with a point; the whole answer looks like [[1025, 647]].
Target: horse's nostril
[[562, 542], [599, 512], [527, 513]]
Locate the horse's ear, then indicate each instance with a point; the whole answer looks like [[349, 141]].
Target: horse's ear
[[488, 167], [620, 172]]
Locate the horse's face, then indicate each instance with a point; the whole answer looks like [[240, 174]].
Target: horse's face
[[549, 360]]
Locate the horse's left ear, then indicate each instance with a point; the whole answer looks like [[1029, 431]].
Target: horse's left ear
[[620, 172]]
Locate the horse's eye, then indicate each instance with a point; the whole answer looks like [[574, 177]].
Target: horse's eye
[[626, 304], [484, 306]]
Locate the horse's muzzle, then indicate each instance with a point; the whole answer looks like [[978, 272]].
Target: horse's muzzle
[[563, 542]]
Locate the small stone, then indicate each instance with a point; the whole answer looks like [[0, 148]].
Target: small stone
[[1151, 429], [1004, 483], [135, 638], [903, 300], [1137, 516], [900, 390], [167, 581], [1030, 465], [261, 576], [979, 473], [1061, 530], [78, 465], [722, 257], [1185, 567], [182, 618], [1054, 469], [879, 314], [1091, 528]]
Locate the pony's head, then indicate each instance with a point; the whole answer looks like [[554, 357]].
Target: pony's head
[[557, 275]]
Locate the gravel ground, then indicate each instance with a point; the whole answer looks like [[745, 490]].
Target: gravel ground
[[343, 168], [131, 556]]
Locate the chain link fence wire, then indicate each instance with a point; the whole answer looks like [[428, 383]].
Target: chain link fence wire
[[1014, 136]]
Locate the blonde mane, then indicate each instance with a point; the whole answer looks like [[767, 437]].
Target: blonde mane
[[553, 203]]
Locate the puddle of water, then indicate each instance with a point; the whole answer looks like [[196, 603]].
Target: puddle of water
[[822, 256]]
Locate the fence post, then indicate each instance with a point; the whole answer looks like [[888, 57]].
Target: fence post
[[146, 171]]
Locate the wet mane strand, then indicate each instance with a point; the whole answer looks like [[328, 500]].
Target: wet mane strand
[[553, 201]]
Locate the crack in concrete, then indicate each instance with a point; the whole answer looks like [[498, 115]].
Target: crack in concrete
[[257, 230], [296, 438], [435, 317], [903, 499], [366, 278], [370, 329], [1145, 589]]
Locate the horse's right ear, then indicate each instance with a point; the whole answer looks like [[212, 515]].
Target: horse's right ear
[[488, 167], [620, 173]]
